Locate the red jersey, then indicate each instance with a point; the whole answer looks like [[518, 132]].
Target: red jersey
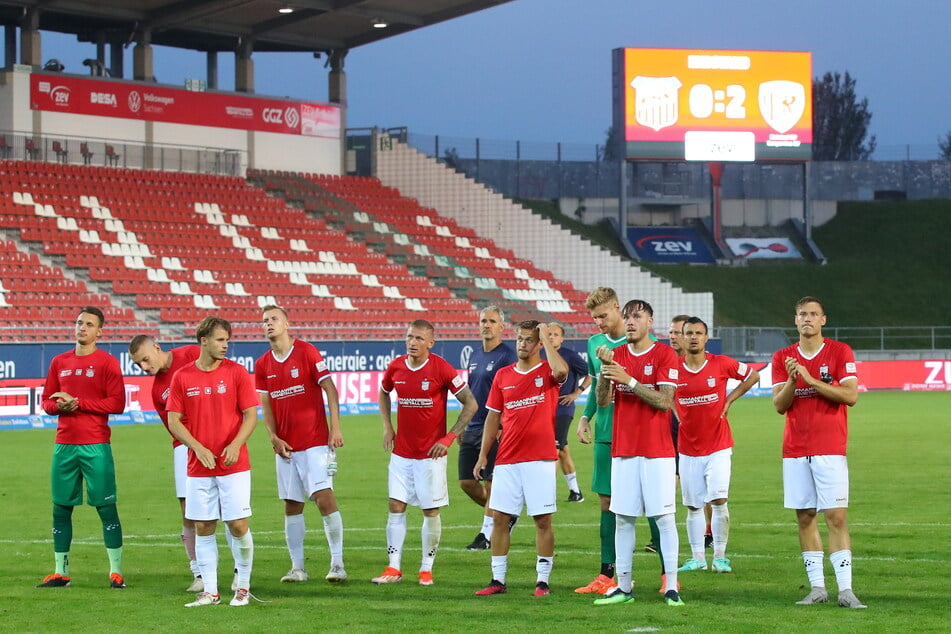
[[421, 402], [527, 402], [296, 398], [181, 357], [212, 406], [815, 426], [96, 380], [639, 429], [700, 397]]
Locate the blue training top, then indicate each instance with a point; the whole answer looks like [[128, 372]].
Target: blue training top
[[482, 368]]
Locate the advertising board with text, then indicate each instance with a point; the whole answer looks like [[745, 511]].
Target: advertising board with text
[[55, 92], [709, 105]]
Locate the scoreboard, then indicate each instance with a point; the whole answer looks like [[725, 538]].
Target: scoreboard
[[709, 105]]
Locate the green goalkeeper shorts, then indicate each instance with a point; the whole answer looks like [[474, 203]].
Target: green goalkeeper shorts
[[72, 464]]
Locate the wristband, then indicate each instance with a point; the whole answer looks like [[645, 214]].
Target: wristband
[[447, 439], [632, 383]]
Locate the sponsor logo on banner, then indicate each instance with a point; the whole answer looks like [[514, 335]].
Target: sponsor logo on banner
[[673, 244], [762, 248], [104, 99], [291, 117], [60, 96], [656, 101], [272, 115], [241, 113], [79, 96], [782, 104]]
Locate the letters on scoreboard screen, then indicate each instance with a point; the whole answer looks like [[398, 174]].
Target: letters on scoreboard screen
[[706, 105]]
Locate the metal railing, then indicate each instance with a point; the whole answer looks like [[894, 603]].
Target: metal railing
[[579, 170], [116, 153]]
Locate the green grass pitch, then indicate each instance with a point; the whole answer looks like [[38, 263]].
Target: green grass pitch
[[899, 517]]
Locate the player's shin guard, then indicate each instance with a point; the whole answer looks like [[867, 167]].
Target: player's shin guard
[[624, 547], [206, 553], [720, 525], [431, 534], [655, 539], [111, 527], [333, 530], [243, 550], [62, 528], [294, 530], [695, 525], [842, 565], [669, 547], [608, 527], [395, 536]]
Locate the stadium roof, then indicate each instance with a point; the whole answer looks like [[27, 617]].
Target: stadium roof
[[221, 25]]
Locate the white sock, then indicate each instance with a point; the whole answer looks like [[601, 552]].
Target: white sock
[[487, 523], [395, 536], [813, 561], [842, 565], [543, 566], [431, 533], [624, 551], [294, 530], [572, 480], [500, 566], [229, 538], [243, 550], [669, 547], [333, 529], [695, 527], [206, 554], [720, 525]]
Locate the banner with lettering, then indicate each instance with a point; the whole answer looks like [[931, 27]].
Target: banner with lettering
[[55, 92]]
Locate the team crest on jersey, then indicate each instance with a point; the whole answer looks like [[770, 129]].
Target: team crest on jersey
[[648, 370], [823, 369], [491, 364], [90, 372], [222, 388], [539, 381], [711, 381], [295, 372], [425, 385]]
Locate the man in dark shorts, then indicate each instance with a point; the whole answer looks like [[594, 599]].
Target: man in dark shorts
[[483, 364]]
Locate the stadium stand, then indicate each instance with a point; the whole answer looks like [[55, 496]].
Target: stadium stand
[[164, 249], [569, 258]]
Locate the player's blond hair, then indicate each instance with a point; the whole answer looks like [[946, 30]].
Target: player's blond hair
[[600, 295]]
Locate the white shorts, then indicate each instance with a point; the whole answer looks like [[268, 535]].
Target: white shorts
[[226, 497], [420, 482], [530, 483], [705, 478], [816, 482], [643, 486], [303, 474], [180, 469]]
